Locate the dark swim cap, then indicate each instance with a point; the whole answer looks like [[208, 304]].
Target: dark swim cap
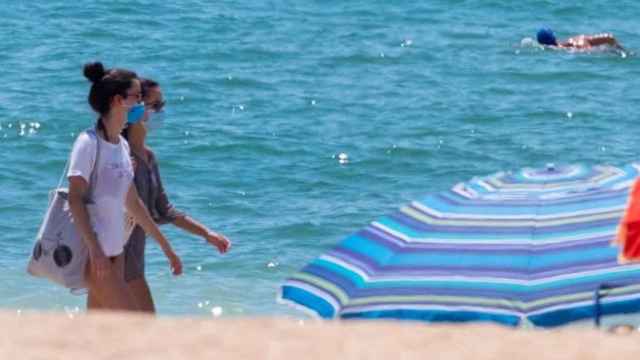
[[547, 37]]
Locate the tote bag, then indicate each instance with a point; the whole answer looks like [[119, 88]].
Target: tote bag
[[59, 253]]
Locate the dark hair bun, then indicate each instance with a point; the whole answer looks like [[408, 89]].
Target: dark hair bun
[[94, 71]]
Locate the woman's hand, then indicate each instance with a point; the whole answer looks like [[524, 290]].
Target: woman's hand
[[219, 241], [174, 260]]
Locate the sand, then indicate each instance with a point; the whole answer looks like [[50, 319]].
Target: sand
[[126, 336]]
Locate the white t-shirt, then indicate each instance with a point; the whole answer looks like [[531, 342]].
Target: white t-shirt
[[113, 179]]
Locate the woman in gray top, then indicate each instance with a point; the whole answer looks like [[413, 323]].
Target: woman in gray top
[[150, 189]]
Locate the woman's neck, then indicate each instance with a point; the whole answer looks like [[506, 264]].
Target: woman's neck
[[136, 144], [136, 138], [111, 129]]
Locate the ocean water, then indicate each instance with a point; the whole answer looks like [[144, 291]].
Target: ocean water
[[263, 98]]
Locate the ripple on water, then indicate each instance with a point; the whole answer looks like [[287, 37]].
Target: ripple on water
[[262, 100]]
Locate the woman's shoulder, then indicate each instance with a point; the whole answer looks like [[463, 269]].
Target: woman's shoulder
[[87, 138], [124, 143], [150, 154]]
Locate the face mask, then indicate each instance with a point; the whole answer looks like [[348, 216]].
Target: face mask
[[155, 120], [135, 114]]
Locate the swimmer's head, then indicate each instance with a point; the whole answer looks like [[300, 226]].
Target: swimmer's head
[[547, 37]]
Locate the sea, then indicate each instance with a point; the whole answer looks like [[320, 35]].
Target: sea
[[292, 124]]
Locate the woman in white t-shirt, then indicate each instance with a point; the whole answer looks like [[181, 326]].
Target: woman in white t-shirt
[[114, 95]]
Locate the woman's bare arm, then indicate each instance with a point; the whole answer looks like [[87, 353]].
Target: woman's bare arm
[[78, 188], [191, 225], [136, 208]]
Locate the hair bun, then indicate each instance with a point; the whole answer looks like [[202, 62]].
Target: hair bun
[[94, 71]]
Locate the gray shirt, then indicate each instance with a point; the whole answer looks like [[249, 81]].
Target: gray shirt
[[151, 191]]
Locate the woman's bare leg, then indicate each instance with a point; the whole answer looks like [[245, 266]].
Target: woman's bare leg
[[92, 301], [139, 288], [110, 292]]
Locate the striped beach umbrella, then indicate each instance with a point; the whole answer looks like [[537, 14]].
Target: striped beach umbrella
[[527, 247]]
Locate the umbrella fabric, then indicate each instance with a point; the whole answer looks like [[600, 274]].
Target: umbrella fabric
[[529, 246]]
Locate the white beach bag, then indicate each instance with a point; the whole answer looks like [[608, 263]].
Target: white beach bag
[[59, 253]]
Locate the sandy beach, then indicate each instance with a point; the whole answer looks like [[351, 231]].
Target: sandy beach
[[123, 336]]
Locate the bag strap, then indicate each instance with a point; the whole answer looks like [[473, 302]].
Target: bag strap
[[94, 172]]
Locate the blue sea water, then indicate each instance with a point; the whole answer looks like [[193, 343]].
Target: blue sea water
[[263, 97]]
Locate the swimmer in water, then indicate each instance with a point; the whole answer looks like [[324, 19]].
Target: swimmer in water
[[579, 42]]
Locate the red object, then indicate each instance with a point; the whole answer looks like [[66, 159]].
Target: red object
[[628, 236]]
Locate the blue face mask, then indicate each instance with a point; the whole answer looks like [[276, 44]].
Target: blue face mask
[[135, 114]]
